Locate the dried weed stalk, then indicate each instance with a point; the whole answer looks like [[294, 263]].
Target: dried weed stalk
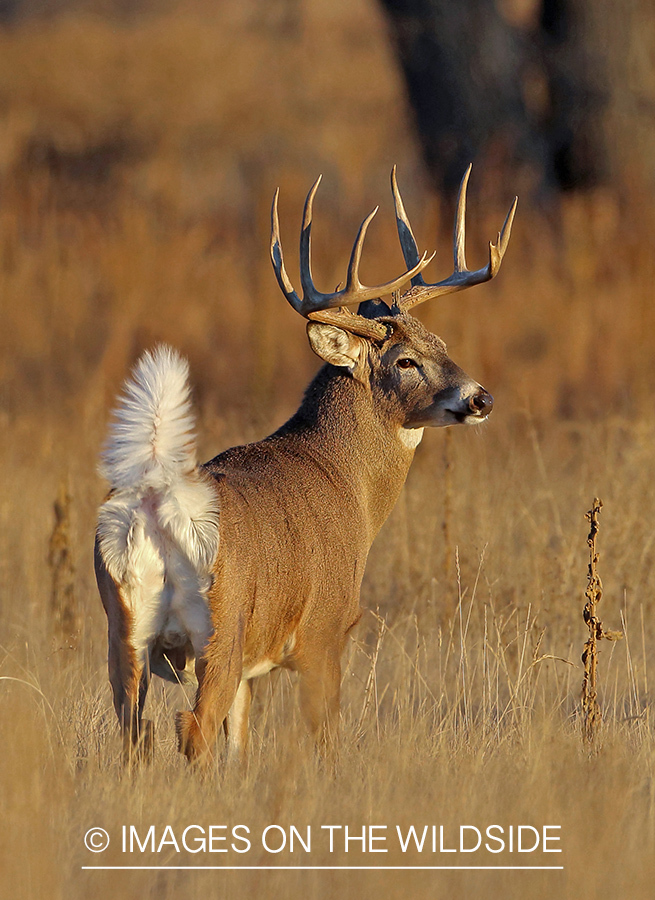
[[63, 601], [591, 714]]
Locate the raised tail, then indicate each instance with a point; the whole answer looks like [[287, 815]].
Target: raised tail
[[151, 441], [150, 462]]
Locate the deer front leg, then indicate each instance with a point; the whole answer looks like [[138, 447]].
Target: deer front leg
[[320, 689], [236, 724]]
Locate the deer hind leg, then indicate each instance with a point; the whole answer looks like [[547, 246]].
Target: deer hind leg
[[129, 675], [219, 678], [138, 733]]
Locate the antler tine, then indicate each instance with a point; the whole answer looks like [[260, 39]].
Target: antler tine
[[497, 250], [306, 280], [405, 233], [277, 258], [314, 302], [461, 277], [459, 239], [352, 279]]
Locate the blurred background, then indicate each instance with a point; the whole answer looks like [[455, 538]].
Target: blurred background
[[140, 144]]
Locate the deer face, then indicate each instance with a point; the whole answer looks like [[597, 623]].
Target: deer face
[[413, 376], [413, 381]]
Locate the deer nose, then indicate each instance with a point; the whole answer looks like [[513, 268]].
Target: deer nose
[[481, 403]]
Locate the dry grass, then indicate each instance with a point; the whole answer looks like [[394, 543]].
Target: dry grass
[[461, 692]]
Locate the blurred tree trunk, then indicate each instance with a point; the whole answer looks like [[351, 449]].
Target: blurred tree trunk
[[8, 10], [515, 84]]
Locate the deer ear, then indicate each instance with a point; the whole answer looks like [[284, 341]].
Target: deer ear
[[334, 345]]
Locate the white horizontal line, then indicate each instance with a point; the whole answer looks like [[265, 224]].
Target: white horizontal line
[[326, 868]]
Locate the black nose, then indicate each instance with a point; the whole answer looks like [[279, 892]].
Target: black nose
[[481, 403]]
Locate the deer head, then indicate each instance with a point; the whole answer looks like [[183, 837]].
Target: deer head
[[412, 380]]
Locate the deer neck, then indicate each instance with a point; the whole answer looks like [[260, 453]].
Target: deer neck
[[342, 431]]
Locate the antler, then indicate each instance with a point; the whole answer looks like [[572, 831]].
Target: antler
[[323, 307], [461, 278]]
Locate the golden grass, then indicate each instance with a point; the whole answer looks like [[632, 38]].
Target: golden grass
[[461, 690]]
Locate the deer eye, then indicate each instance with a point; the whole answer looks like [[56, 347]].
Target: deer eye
[[406, 363]]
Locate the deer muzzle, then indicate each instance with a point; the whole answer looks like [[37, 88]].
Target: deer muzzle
[[481, 404]]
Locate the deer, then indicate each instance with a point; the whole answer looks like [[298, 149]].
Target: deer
[[254, 560]]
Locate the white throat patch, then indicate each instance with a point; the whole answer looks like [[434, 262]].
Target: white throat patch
[[411, 437]]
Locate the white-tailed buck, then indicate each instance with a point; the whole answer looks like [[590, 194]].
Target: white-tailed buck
[[255, 559]]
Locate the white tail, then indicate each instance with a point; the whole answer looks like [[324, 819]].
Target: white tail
[[151, 441], [150, 463], [296, 512]]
